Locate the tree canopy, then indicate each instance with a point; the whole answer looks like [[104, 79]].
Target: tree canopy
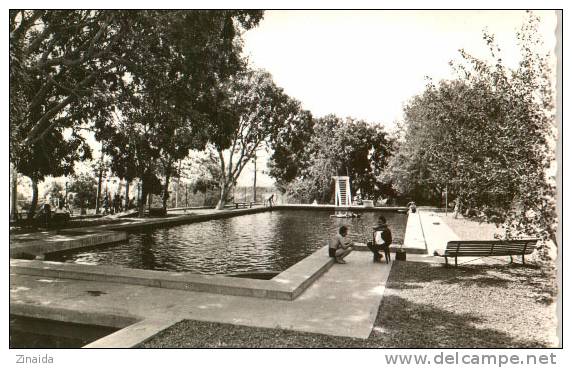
[[486, 136], [256, 110], [305, 162]]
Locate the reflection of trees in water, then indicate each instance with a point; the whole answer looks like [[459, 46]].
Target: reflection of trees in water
[[299, 233], [146, 250]]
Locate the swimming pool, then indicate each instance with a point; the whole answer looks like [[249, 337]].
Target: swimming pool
[[265, 241], [35, 333]]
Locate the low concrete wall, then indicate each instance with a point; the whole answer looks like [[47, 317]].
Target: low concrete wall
[[183, 219], [132, 335], [111, 319], [331, 207], [66, 241], [286, 286]]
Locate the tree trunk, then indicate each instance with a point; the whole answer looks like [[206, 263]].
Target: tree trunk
[[143, 200], [34, 203], [14, 197], [224, 190], [166, 190], [178, 185], [98, 196], [126, 194], [457, 209], [254, 185]]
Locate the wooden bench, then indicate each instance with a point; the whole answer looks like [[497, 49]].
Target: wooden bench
[[487, 248]]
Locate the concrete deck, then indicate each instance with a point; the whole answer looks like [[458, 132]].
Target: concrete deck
[[414, 240], [436, 232], [343, 302]]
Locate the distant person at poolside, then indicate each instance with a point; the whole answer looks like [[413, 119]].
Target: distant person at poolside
[[270, 200], [412, 207], [44, 215], [340, 245], [106, 204], [61, 201], [381, 240], [116, 203]]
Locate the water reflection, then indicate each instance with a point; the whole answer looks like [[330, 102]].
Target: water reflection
[[267, 241]]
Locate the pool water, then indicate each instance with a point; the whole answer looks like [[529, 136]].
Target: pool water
[[266, 241], [35, 333]]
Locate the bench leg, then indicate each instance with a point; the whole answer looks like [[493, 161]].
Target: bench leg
[[446, 261], [455, 261], [511, 261], [523, 260]]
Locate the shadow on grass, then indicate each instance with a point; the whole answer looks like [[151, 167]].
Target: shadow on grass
[[498, 274], [405, 324]]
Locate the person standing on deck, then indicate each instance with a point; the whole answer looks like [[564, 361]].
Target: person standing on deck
[[270, 200]]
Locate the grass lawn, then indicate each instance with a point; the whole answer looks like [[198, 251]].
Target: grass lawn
[[425, 305], [470, 229]]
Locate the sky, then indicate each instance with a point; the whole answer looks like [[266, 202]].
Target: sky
[[368, 64]]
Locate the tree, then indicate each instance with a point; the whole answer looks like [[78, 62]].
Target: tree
[[432, 143], [256, 109], [488, 136], [54, 190], [335, 147], [288, 145], [181, 59], [52, 155], [60, 61], [85, 188]]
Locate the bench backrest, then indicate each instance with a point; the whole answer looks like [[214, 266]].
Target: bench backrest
[[491, 247]]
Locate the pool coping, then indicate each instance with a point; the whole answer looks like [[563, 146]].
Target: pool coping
[[287, 285], [131, 330], [80, 239]]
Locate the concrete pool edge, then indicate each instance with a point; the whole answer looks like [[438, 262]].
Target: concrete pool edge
[[133, 335], [131, 330], [103, 319], [287, 285], [66, 241]]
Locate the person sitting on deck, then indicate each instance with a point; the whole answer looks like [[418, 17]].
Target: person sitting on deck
[[381, 239], [340, 245]]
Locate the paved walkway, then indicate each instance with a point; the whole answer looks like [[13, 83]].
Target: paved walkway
[[436, 232], [414, 238], [343, 302]]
